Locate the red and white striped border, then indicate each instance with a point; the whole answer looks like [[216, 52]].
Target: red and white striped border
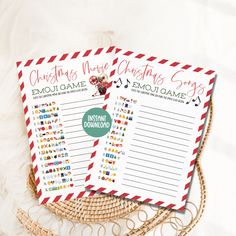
[[34, 62], [93, 154], [212, 78], [198, 139]]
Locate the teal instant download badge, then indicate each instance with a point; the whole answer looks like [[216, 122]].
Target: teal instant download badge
[[96, 122]]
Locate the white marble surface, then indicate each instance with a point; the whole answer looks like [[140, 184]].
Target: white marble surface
[[200, 32]]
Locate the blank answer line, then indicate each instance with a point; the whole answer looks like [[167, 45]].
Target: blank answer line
[[79, 179], [163, 134], [160, 145], [74, 131], [78, 136], [155, 162], [80, 174], [81, 142], [80, 148], [164, 158], [75, 113], [165, 177], [66, 103], [79, 168], [70, 108], [155, 150], [171, 118], [184, 127], [167, 141], [137, 176], [74, 162], [168, 111], [69, 126], [165, 171], [79, 185], [148, 190], [169, 189], [73, 119], [81, 154], [163, 128]]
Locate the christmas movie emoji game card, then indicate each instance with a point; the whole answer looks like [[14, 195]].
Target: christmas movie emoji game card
[[56, 92], [158, 111]]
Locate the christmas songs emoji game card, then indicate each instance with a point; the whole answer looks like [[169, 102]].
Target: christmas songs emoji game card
[[158, 110]]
